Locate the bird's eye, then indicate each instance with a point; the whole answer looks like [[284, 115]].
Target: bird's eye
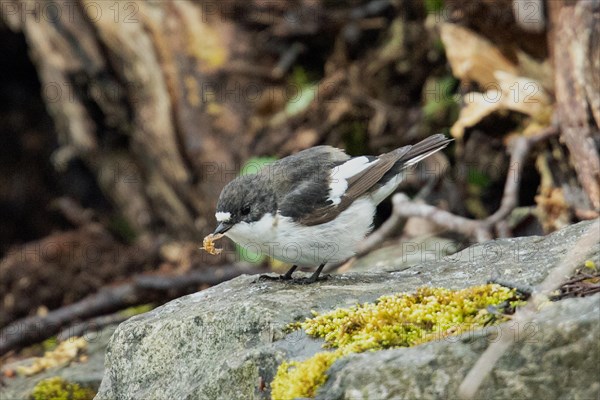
[[245, 210]]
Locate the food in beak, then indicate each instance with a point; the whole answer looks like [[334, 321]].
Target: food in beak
[[208, 244]]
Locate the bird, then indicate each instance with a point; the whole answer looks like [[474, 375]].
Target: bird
[[312, 208]]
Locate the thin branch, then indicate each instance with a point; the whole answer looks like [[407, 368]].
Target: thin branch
[[142, 290], [486, 362], [520, 148], [481, 230], [405, 208]]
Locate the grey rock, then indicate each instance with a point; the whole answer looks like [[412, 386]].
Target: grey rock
[[88, 374], [404, 255], [557, 357], [227, 341]]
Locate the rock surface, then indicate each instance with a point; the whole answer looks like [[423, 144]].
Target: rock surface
[[557, 357], [226, 342], [87, 374]]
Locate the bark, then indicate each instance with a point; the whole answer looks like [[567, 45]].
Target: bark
[[124, 83], [575, 38]]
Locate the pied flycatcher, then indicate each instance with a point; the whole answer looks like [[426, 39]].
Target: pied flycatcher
[[313, 208]]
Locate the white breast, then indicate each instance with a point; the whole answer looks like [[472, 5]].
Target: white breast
[[308, 246]]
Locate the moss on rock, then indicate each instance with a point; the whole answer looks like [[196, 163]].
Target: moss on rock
[[56, 388], [302, 378], [399, 320]]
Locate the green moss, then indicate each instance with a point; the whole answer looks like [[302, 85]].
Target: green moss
[[57, 388], [302, 378], [294, 326], [399, 320]]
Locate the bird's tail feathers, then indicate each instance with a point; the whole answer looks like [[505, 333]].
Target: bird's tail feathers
[[405, 157], [424, 149], [411, 155]]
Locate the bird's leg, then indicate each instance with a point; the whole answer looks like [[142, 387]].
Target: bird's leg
[[315, 276], [285, 277], [288, 274]]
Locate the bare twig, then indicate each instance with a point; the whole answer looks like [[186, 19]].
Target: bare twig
[[481, 230], [142, 290], [404, 207], [520, 148], [574, 258]]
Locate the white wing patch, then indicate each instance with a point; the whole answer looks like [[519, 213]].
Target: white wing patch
[[341, 173], [222, 216]]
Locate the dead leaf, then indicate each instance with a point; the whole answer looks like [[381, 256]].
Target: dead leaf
[[472, 57], [509, 92]]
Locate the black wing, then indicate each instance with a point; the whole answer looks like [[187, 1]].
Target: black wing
[[308, 201], [302, 180]]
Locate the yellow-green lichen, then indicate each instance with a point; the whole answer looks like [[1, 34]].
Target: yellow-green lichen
[[302, 378], [57, 388], [399, 320]]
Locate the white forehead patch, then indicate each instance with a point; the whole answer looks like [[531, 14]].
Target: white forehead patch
[[223, 216]]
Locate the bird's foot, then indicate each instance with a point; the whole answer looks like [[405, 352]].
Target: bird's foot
[[287, 277], [295, 281], [283, 277], [315, 277]]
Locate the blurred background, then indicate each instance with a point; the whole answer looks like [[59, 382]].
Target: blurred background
[[122, 121]]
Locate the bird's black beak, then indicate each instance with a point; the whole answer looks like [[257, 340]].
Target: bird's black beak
[[222, 228]]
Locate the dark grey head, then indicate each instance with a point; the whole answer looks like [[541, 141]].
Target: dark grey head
[[245, 199]]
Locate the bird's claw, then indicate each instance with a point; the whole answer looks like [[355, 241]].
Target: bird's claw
[[289, 279], [283, 277]]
